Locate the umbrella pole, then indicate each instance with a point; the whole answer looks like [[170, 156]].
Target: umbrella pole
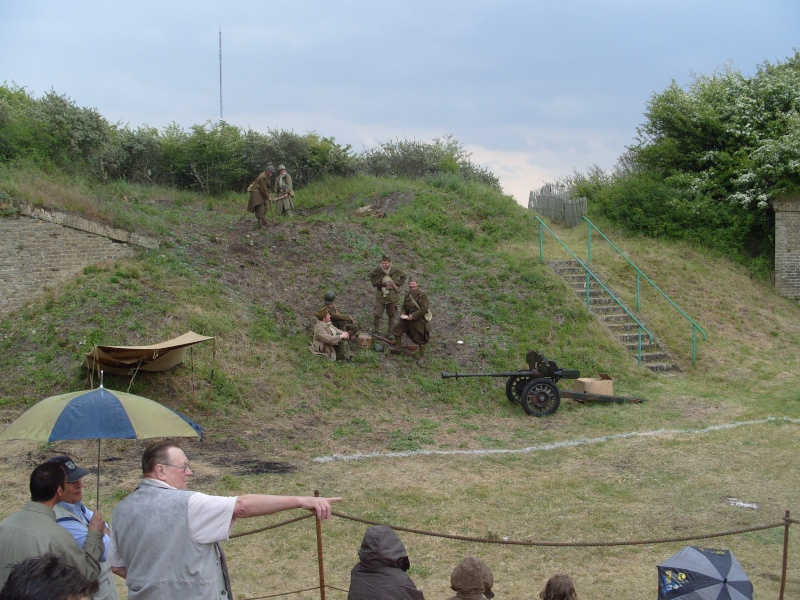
[[97, 499]]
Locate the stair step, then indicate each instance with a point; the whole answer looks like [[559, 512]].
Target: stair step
[[613, 316]]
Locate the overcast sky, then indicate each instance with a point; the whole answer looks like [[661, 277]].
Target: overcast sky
[[533, 88]]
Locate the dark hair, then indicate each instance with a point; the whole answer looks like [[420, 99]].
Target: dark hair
[[45, 481], [558, 587], [46, 577], [155, 454]]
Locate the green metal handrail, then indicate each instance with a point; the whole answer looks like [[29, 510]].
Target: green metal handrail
[[588, 281], [639, 275]]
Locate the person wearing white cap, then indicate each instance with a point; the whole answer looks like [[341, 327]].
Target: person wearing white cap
[[72, 515]]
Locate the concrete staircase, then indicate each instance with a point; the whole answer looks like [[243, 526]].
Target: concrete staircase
[[613, 316]]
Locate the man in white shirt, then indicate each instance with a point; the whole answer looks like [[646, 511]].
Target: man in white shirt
[[165, 537]]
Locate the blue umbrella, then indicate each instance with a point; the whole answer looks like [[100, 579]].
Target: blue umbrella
[[99, 414]]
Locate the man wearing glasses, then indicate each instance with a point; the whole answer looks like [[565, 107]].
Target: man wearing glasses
[[165, 541]]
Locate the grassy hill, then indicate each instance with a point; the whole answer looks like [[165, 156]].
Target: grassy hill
[[482, 467]]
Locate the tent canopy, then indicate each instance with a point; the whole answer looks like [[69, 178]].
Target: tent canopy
[[126, 360]]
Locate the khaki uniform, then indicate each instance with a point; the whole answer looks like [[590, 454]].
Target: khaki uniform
[[259, 196], [342, 321], [283, 186], [415, 327], [386, 299], [327, 342]]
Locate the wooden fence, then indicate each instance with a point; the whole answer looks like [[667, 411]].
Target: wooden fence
[[557, 204]]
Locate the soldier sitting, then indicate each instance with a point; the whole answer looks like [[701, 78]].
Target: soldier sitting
[[330, 341], [340, 320]]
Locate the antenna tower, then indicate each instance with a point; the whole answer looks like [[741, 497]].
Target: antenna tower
[[220, 73]]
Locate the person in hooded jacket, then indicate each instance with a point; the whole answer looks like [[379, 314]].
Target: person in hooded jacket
[[380, 573], [472, 579]]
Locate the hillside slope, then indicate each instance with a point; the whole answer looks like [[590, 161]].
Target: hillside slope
[[442, 455]]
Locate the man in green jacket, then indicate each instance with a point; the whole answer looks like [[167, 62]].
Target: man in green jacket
[[33, 531]]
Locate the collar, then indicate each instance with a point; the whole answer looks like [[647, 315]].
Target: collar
[[149, 481], [38, 507]]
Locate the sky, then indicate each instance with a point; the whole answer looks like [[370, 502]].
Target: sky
[[534, 89]]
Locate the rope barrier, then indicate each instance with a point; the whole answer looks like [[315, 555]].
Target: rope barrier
[[561, 544], [330, 587], [268, 527], [493, 540]]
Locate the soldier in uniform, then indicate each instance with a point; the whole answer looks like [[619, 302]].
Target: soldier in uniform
[[340, 320], [387, 281], [414, 319], [284, 192], [329, 341], [259, 194]]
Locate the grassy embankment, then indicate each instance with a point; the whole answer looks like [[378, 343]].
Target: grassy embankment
[[476, 254]]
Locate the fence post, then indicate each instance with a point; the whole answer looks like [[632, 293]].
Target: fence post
[[319, 555], [786, 523]]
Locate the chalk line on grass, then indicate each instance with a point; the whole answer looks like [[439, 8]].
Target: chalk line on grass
[[555, 445]]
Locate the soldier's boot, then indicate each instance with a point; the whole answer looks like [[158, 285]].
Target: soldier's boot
[[421, 358], [376, 325], [389, 333]]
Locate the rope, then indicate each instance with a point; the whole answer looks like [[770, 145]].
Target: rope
[[330, 587], [561, 544], [268, 527]]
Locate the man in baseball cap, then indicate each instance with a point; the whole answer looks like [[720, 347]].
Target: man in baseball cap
[[72, 515]]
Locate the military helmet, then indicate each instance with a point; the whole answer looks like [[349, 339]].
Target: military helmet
[[270, 168], [330, 297], [281, 167]]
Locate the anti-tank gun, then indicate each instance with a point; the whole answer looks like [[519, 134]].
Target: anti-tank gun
[[536, 388]]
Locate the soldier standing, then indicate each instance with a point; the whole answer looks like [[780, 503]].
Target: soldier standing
[[259, 194], [387, 281], [415, 319], [284, 192], [340, 320]]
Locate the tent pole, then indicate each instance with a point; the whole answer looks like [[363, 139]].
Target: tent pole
[[211, 383], [191, 355]]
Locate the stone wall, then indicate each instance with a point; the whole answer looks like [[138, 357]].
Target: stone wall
[[787, 248], [40, 248]]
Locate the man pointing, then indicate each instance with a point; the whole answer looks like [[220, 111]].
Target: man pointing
[[165, 537]]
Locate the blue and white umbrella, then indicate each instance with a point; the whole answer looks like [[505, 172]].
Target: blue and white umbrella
[[99, 414], [703, 574]]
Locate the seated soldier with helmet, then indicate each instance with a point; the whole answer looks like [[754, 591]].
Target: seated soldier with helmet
[[340, 320]]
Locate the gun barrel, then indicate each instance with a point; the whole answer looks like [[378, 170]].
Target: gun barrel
[[503, 374]]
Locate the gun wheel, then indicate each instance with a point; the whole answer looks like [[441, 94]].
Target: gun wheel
[[514, 387], [540, 398]]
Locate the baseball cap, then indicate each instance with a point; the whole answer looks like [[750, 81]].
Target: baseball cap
[[74, 472]]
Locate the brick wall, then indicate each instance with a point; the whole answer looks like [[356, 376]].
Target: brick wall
[[40, 248], [787, 248]]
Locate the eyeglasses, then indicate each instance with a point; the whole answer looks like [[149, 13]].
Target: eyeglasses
[[181, 467]]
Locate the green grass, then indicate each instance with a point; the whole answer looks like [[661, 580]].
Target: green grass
[[477, 253]]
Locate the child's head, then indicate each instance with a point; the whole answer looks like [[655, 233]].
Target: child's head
[[559, 587]]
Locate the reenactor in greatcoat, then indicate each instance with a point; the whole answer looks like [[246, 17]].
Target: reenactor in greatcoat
[[259, 194], [414, 319]]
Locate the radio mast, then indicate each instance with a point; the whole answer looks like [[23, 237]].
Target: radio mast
[[220, 73]]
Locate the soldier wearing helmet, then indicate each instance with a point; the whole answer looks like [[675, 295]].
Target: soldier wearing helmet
[[284, 192], [340, 320], [259, 194]]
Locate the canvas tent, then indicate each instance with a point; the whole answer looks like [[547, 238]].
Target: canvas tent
[[127, 360]]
